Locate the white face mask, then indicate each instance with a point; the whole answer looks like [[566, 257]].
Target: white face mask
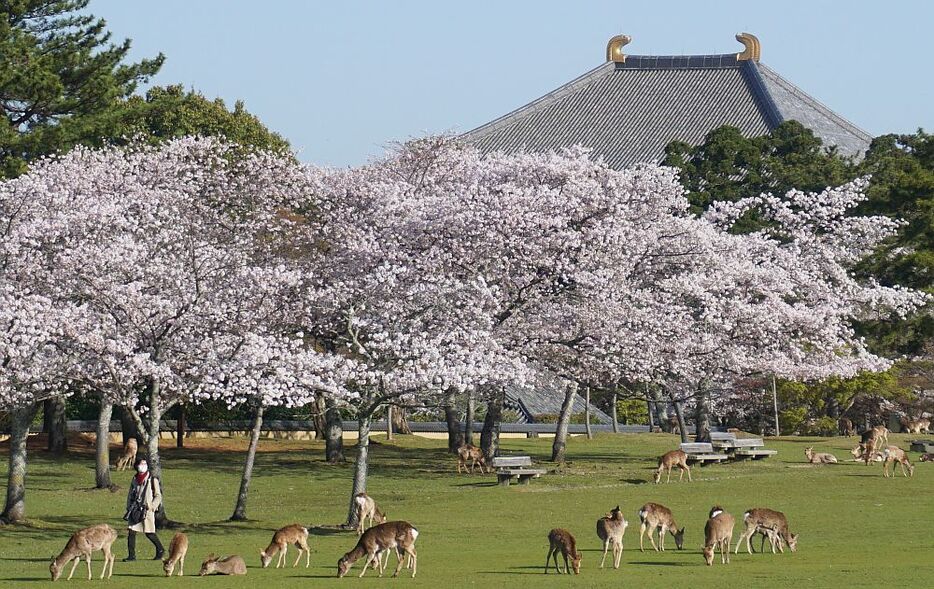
[[143, 467]]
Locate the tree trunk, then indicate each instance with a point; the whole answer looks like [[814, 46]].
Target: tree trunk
[[468, 419], [320, 416], [454, 425], [55, 416], [661, 410], [400, 422], [334, 435], [613, 414], [702, 416], [587, 414], [128, 427], [152, 431], [102, 450], [239, 513], [361, 467], [559, 446], [680, 417], [180, 426], [489, 437], [15, 509]]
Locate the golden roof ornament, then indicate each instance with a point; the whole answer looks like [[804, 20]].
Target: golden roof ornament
[[751, 44], [614, 49]]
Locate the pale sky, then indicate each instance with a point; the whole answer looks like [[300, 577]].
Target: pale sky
[[340, 79]]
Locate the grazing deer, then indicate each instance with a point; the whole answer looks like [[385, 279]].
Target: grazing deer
[[292, 534], [232, 565], [128, 457], [561, 540], [773, 523], [178, 548], [654, 516], [917, 426], [669, 460], [471, 453], [610, 530], [894, 454], [718, 532], [81, 544], [819, 457], [387, 536], [846, 427], [927, 458], [367, 510]]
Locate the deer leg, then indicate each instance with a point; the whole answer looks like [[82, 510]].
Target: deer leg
[[567, 569], [668, 480], [680, 474], [749, 540], [181, 567], [661, 537], [87, 559], [413, 559], [652, 539], [547, 560], [688, 468], [641, 534], [617, 553], [106, 550], [298, 558], [606, 546], [74, 565], [369, 559]]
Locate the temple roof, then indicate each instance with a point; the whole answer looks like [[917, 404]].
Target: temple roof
[[629, 108]]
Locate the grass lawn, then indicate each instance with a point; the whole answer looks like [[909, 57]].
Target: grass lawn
[[857, 528]]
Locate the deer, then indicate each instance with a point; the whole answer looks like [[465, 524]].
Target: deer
[[718, 532], [669, 460], [291, 534], [654, 516], [846, 427], [917, 426], [927, 458], [894, 454], [859, 454], [819, 457], [178, 548], [366, 508], [231, 565], [773, 523], [471, 453], [81, 544], [129, 454], [398, 535], [561, 540], [610, 530], [870, 441]]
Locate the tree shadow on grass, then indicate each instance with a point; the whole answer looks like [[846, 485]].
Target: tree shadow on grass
[[663, 563]]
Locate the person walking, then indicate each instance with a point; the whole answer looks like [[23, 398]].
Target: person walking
[[142, 501]]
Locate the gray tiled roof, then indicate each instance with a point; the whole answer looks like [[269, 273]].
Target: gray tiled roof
[[628, 112], [544, 396]]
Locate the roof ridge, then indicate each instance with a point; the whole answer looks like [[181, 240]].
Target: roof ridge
[[817, 104], [553, 96], [757, 85]]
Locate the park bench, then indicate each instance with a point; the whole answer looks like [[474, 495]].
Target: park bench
[[519, 468], [740, 448], [703, 453], [924, 446]]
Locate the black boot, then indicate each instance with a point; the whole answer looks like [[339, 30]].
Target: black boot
[[130, 547], [160, 551]]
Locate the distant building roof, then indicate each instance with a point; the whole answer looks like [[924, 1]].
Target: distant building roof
[[629, 108], [544, 395]]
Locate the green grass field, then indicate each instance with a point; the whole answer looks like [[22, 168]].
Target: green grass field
[[857, 528]]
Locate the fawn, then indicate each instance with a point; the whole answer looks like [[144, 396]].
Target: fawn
[[819, 457], [81, 544], [383, 537], [561, 540], [292, 534], [232, 565], [668, 461], [610, 530], [718, 532], [366, 509], [178, 548], [775, 525], [129, 454], [655, 516], [471, 453], [894, 454]]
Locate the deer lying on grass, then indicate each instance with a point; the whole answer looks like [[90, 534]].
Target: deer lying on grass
[[871, 440], [399, 536], [367, 510], [819, 457], [773, 523], [561, 540], [654, 516], [894, 454], [128, 457], [916, 426], [81, 544], [473, 454], [927, 458], [859, 455], [718, 532], [610, 530], [670, 460], [292, 534], [232, 565], [177, 551]]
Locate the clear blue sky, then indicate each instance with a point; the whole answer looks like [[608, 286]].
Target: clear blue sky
[[340, 79]]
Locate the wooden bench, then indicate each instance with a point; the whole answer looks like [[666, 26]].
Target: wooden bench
[[924, 446], [519, 468], [740, 448], [703, 453]]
